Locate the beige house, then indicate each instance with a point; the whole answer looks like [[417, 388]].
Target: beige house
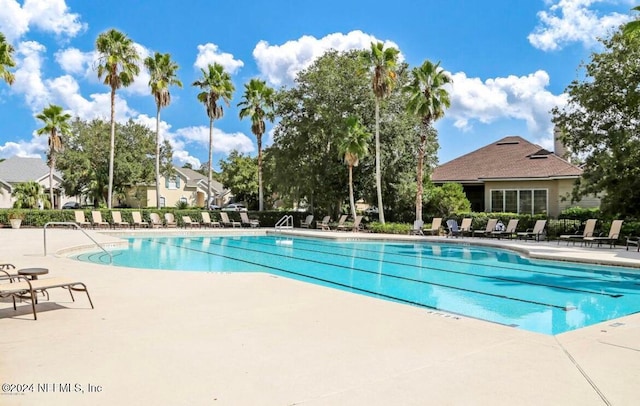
[[185, 185], [514, 175]]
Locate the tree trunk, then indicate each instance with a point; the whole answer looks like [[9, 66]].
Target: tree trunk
[[113, 146], [52, 164], [378, 170], [351, 198], [158, 157], [419, 174], [260, 191], [210, 161]]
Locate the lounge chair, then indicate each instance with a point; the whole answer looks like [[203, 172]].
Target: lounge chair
[[435, 226], [533, 234], [417, 228], [97, 221], [589, 227], [80, 220], [246, 222], [452, 228], [324, 225], [341, 221], [465, 226], [187, 222], [509, 231], [614, 234], [307, 221], [206, 220], [156, 222], [226, 222], [491, 225], [633, 241], [21, 287], [170, 220], [356, 226], [116, 218], [136, 217]]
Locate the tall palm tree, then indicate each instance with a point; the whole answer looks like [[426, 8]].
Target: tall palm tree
[[215, 84], [383, 78], [6, 60], [258, 104], [162, 71], [353, 147], [56, 124], [118, 63], [427, 99]]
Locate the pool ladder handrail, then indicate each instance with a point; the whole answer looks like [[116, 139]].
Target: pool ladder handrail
[[70, 223], [285, 222]]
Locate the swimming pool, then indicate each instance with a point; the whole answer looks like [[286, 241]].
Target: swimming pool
[[485, 283]]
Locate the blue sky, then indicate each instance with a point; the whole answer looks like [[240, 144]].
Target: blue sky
[[510, 61]]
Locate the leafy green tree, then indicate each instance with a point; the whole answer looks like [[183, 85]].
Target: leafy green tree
[[352, 148], [239, 175], [632, 28], [28, 195], [428, 100], [600, 125], [118, 63], [215, 84], [56, 124], [162, 72], [383, 77], [6, 60], [258, 104], [448, 198]]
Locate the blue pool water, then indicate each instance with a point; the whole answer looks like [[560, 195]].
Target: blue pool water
[[485, 283]]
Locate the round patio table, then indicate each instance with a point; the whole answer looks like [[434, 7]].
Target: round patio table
[[33, 272]]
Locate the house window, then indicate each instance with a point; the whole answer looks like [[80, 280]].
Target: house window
[[521, 201], [162, 202], [172, 182]]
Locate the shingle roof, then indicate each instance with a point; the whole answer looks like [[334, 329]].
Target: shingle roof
[[509, 158], [17, 169], [194, 178]]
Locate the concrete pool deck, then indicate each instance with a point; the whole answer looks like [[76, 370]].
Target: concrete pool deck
[[194, 338]]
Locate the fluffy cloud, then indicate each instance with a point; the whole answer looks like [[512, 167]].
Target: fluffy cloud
[[522, 98], [28, 80], [51, 16], [281, 63], [569, 21], [210, 54], [32, 149], [222, 142], [76, 62]]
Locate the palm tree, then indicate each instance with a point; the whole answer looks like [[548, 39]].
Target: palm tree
[[383, 77], [427, 99], [118, 63], [632, 28], [56, 124], [215, 84], [27, 195], [353, 147], [258, 104], [6, 60], [162, 71]]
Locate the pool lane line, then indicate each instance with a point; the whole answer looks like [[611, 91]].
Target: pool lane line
[[499, 278], [436, 258], [564, 308]]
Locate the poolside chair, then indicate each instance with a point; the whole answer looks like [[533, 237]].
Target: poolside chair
[[187, 222], [452, 228], [341, 221], [509, 231], [246, 222], [136, 218], [435, 226], [21, 287], [206, 220], [533, 234], [324, 225], [491, 225], [170, 220], [465, 226], [356, 226], [226, 222], [633, 241], [156, 222], [614, 234], [307, 221], [116, 218], [80, 220], [589, 227], [417, 228], [97, 221]]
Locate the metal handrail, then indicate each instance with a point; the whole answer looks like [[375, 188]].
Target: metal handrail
[[69, 223], [285, 222]]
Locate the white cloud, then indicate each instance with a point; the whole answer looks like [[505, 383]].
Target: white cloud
[[521, 98], [51, 16], [569, 21], [281, 63], [210, 54], [32, 149], [140, 85], [28, 76], [222, 142], [76, 62]]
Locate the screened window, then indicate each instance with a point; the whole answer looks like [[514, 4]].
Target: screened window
[[497, 200], [521, 201]]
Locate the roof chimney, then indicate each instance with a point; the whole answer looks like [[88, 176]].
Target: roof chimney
[[558, 146]]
